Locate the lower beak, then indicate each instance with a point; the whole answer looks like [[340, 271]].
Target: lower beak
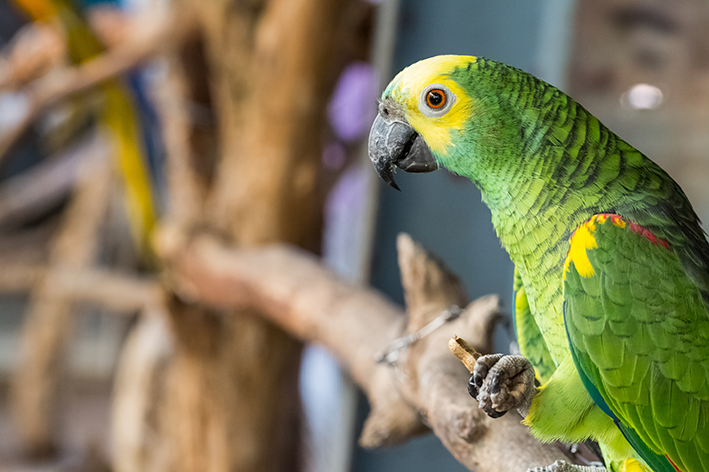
[[394, 143]]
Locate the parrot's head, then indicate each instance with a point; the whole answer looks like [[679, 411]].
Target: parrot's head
[[421, 116]]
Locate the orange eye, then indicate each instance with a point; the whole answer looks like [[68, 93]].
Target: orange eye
[[436, 98]]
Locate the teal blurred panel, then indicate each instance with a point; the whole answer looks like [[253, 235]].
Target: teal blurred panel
[[442, 211], [504, 30]]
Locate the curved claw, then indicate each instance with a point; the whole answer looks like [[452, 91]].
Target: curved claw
[[483, 366], [493, 413], [472, 387]]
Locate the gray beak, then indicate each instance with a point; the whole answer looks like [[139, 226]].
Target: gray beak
[[394, 143]]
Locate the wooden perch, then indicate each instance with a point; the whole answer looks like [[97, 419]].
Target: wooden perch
[[467, 354], [427, 385]]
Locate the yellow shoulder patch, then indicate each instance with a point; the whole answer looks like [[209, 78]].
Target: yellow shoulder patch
[[633, 465], [582, 240]]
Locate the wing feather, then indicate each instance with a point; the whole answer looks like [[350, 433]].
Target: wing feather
[[639, 333]]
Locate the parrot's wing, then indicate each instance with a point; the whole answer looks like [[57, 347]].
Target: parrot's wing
[[639, 335], [529, 337]]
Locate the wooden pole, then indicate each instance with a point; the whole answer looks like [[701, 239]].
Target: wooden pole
[[268, 68]]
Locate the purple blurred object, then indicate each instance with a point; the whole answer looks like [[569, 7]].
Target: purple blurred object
[[353, 103], [345, 216], [334, 155]]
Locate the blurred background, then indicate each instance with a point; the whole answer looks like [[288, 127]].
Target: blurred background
[[88, 172]]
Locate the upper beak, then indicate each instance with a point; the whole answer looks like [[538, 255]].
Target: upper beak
[[393, 142]]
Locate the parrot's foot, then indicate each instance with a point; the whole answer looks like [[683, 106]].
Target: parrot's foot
[[501, 383], [563, 466]]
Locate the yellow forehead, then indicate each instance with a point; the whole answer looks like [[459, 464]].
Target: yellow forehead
[[406, 86]]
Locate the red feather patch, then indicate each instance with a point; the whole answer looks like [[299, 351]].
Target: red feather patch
[[649, 235], [636, 228]]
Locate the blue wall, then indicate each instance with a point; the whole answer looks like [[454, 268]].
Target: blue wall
[[440, 210]]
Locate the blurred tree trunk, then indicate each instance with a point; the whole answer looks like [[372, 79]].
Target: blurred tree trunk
[[270, 67]]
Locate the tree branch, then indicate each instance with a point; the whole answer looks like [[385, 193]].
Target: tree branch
[[292, 289], [120, 292]]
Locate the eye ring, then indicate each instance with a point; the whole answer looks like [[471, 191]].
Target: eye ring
[[436, 100]]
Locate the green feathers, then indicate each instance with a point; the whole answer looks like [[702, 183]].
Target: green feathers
[[639, 331], [529, 338]]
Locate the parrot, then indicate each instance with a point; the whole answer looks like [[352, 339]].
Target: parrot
[[611, 263]]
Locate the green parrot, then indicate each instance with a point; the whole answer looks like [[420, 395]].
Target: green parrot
[[611, 265]]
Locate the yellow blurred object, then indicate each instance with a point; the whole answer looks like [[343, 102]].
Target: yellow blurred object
[[118, 115], [120, 119], [38, 10]]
